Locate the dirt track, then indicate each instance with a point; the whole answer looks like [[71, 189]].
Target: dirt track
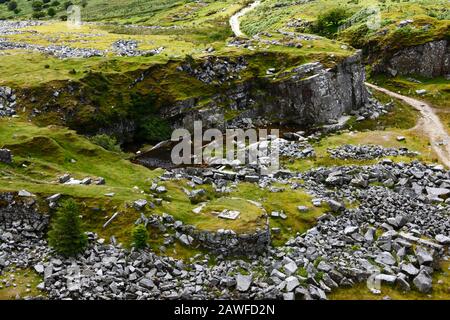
[[429, 123], [234, 20]]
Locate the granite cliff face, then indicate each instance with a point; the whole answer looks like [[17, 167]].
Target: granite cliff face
[[307, 95], [430, 60]]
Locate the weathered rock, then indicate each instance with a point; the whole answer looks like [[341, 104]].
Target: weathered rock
[[243, 282], [5, 156], [442, 239], [291, 283], [140, 204], [423, 282]]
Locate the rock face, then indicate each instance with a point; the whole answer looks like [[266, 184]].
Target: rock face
[[430, 60], [309, 94]]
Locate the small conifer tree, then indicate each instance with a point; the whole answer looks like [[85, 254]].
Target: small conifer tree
[[66, 235], [140, 236]]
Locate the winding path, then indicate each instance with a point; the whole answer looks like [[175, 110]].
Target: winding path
[[234, 20], [429, 123]]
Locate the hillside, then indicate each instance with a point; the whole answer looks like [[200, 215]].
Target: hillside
[[358, 91]]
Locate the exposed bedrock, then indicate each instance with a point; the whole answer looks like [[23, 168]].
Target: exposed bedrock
[[430, 60], [307, 95], [225, 92]]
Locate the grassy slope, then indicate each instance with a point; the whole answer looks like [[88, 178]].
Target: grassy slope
[[286, 200], [101, 9], [275, 14]]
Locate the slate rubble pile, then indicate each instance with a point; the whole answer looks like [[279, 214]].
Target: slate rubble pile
[[372, 110], [8, 27], [61, 52], [120, 47], [397, 234], [215, 70], [367, 152], [129, 48]]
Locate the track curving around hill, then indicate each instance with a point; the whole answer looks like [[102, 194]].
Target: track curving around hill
[[429, 123], [234, 20]]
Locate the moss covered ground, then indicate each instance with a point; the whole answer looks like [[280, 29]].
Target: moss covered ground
[[19, 283]]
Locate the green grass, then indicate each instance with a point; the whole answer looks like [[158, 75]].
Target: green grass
[[151, 12], [402, 116], [438, 89], [23, 283], [42, 154], [273, 15], [441, 290], [414, 142], [251, 216], [47, 152], [288, 200]]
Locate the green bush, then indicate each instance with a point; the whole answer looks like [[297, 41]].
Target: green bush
[[153, 128], [38, 15], [66, 235], [12, 6], [37, 5], [140, 236], [51, 12], [328, 22], [106, 142], [68, 4]]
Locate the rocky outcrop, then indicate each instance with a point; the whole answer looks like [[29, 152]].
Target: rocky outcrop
[[308, 95], [7, 102], [430, 60]]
